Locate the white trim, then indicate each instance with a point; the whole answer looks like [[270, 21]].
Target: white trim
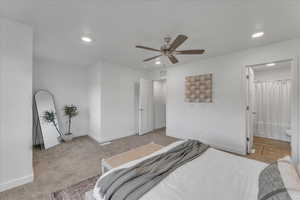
[[249, 143], [219, 146], [275, 80], [295, 109], [97, 139], [105, 143], [16, 182], [228, 149]]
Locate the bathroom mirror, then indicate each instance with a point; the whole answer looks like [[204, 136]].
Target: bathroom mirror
[[44, 101]]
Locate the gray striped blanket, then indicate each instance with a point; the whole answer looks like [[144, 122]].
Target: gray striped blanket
[[133, 182]]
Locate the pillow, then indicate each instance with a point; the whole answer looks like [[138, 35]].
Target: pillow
[[279, 181]]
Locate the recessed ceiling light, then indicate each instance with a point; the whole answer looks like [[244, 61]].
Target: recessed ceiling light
[[86, 39], [158, 62], [258, 34], [270, 64]]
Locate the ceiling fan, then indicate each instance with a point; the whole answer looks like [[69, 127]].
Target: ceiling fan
[[169, 49]]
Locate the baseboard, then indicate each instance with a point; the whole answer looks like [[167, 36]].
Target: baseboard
[[101, 141], [273, 138], [94, 138], [80, 134], [228, 149], [16, 182], [214, 145], [160, 129]]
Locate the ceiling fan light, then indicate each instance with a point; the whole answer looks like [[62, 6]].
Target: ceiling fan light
[[270, 64], [158, 62], [257, 35], [86, 39]]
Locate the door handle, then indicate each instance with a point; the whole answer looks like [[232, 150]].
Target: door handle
[[141, 109]]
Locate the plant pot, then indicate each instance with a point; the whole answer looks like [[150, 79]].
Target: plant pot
[[60, 139], [68, 137]]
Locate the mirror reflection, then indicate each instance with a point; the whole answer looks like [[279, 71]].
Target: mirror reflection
[[49, 134]]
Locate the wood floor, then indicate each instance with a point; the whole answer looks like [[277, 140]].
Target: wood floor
[[269, 150]]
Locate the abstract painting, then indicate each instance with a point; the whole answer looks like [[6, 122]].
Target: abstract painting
[[198, 88]]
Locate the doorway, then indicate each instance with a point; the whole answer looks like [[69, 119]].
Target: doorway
[[159, 100], [269, 110], [152, 105]]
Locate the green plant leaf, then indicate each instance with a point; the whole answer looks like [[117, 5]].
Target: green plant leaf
[[71, 110], [49, 116]]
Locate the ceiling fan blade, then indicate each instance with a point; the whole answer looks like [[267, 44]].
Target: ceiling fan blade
[[191, 52], [177, 42], [148, 59], [173, 59], [147, 48]]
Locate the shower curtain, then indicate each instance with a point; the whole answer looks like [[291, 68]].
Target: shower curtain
[[272, 115]]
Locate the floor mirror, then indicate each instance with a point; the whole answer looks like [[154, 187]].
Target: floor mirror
[[47, 133]]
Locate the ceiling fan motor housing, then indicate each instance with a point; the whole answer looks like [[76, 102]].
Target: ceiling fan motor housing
[[167, 40]]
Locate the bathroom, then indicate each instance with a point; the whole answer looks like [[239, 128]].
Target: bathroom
[[269, 100]]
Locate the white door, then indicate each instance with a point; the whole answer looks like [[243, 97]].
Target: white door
[[159, 101], [250, 108], [145, 106]]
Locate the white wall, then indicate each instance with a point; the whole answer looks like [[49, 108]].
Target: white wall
[[94, 95], [158, 74], [273, 74], [15, 104], [114, 87], [221, 123], [159, 99], [69, 85]]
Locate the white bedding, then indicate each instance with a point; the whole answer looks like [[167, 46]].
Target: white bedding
[[214, 175]]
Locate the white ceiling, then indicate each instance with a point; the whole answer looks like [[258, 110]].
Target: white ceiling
[[219, 26]]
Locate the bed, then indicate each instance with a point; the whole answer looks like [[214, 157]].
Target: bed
[[214, 175]]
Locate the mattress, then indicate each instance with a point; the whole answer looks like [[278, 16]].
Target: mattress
[[214, 175]]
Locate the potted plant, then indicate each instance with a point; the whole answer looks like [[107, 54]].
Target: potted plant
[[49, 116], [70, 111]]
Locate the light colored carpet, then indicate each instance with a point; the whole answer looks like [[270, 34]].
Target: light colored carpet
[[79, 191], [267, 150], [70, 163]]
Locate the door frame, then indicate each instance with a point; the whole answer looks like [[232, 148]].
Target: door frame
[[295, 103], [249, 136]]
